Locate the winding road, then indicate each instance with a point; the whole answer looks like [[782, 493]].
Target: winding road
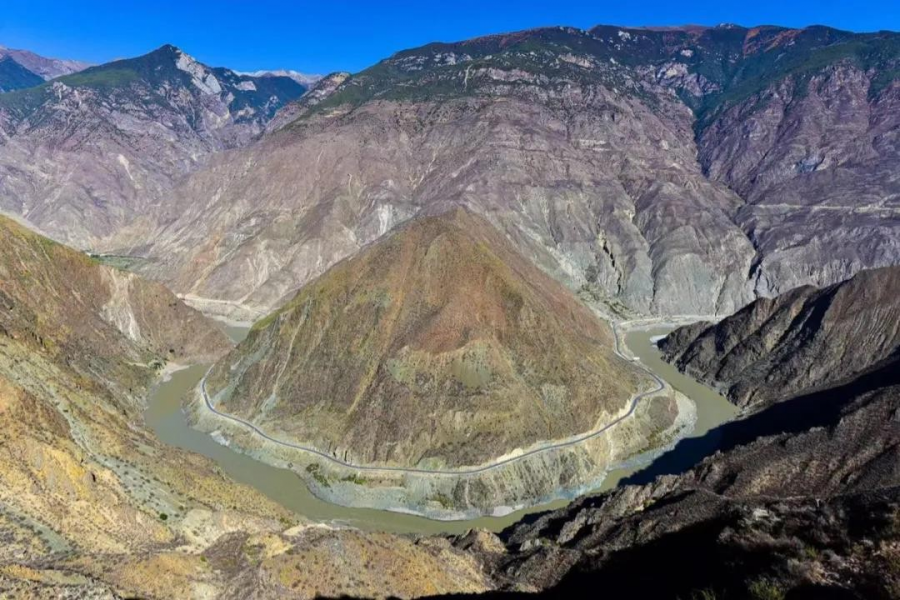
[[660, 386]]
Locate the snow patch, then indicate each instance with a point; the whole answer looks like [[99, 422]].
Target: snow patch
[[306, 79]]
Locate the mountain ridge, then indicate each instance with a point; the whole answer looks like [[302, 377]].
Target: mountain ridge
[[807, 337]]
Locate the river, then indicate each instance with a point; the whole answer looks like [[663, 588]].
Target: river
[[166, 419]]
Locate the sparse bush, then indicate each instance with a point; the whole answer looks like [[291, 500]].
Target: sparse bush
[[765, 589], [316, 471]]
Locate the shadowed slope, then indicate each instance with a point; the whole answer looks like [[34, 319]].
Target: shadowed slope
[[805, 338]]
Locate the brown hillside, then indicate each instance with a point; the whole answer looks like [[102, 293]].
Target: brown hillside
[[439, 342]]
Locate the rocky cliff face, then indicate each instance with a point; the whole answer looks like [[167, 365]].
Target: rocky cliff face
[[91, 153], [808, 337], [655, 171], [815, 157]]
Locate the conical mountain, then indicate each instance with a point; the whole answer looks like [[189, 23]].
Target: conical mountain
[[436, 344]]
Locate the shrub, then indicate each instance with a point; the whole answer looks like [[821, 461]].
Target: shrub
[[765, 589]]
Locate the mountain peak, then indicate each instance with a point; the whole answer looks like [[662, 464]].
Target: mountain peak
[[167, 49]]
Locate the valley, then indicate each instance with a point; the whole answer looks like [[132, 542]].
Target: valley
[[557, 312]]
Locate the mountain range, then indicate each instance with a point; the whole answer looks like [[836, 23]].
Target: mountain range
[[89, 154], [655, 172], [22, 68], [674, 171], [439, 255]]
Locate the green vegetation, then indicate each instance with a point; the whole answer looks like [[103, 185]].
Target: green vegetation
[[122, 263], [355, 479], [741, 62], [266, 321], [101, 78], [315, 470], [443, 499], [423, 74], [807, 57], [765, 589], [163, 517], [811, 553], [704, 594]]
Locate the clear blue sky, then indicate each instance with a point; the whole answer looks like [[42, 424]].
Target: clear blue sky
[[324, 36]]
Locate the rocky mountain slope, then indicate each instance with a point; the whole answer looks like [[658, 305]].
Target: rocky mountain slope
[[410, 353], [802, 502], [74, 309], [658, 171], [88, 154], [93, 506], [805, 338]]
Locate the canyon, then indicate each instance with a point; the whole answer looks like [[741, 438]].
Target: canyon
[[439, 260]]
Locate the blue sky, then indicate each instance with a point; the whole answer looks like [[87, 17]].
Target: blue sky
[[326, 36]]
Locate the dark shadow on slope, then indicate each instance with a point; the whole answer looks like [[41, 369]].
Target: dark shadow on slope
[[819, 408]]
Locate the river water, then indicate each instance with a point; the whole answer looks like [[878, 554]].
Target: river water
[[165, 417]]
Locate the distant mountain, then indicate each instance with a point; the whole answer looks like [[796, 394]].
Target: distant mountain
[[316, 94], [685, 170], [14, 76], [89, 153], [304, 79], [46, 68]]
